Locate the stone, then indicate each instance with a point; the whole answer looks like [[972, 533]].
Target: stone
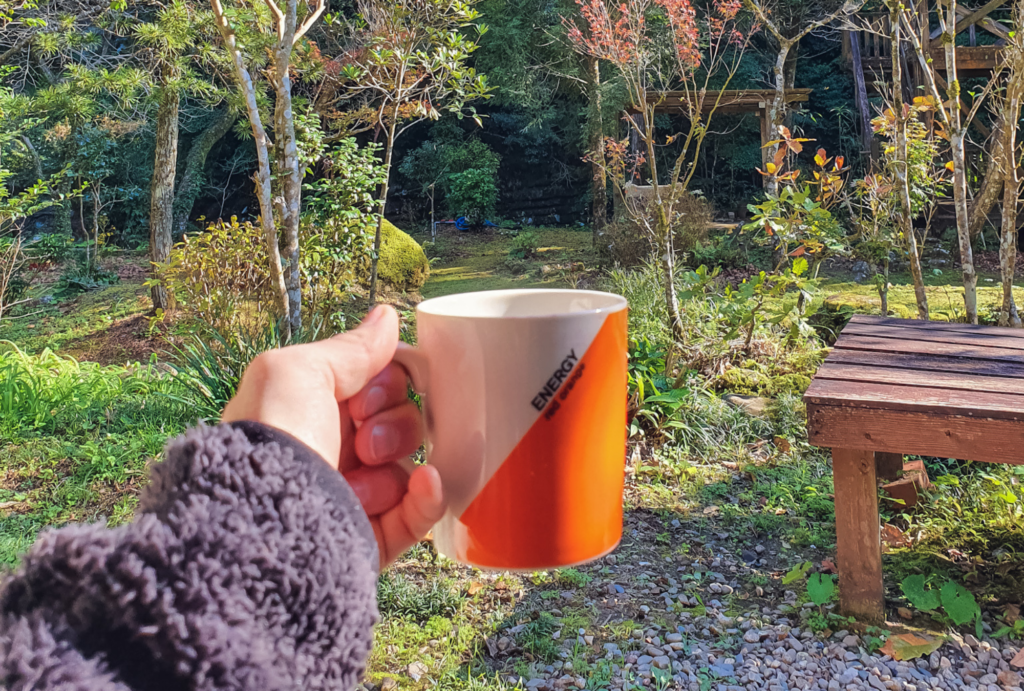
[[860, 271], [1009, 678], [388, 684], [662, 662], [752, 636], [417, 670], [851, 641]]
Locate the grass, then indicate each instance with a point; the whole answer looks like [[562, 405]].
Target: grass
[[482, 266]]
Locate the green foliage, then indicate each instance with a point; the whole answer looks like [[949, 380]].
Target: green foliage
[[820, 588], [397, 596], [796, 218], [572, 578], [536, 637], [338, 223], [524, 245], [208, 364], [957, 603], [54, 248], [220, 278], [797, 573], [463, 170]]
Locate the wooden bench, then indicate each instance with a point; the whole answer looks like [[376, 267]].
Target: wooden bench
[[892, 387]]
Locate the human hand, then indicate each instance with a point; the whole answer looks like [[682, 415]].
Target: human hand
[[345, 399]]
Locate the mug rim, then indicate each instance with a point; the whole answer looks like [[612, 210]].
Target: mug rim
[[617, 303]]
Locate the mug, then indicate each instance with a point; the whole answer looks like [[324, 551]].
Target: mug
[[524, 402]]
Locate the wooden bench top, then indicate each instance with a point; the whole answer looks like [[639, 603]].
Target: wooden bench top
[[899, 373]]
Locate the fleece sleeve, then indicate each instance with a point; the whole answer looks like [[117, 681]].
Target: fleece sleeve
[[250, 565]]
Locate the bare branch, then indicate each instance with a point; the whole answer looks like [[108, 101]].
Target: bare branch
[[310, 19], [278, 18]]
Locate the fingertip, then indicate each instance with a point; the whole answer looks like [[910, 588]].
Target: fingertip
[[426, 490]]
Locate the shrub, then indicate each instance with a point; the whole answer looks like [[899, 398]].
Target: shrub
[[693, 214], [473, 193], [403, 265], [50, 248], [524, 246], [399, 596], [628, 245], [221, 277]]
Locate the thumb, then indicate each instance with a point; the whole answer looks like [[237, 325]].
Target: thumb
[[350, 360]]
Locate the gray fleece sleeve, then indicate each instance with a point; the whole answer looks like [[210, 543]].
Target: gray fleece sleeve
[[249, 566]]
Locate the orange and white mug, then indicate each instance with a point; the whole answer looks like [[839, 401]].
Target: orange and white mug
[[524, 395]]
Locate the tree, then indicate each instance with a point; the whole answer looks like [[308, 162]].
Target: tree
[[787, 23], [954, 126], [656, 46], [412, 65], [1009, 159], [167, 45], [279, 189]]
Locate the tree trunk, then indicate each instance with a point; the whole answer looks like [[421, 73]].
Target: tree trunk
[[389, 148], [290, 173], [992, 185], [777, 111], [264, 191], [1010, 113], [885, 287], [598, 184], [161, 197], [902, 171], [956, 143], [192, 179], [861, 91]]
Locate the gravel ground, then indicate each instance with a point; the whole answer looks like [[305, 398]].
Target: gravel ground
[[735, 644]]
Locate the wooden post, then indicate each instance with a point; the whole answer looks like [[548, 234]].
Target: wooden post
[[888, 466], [858, 539]]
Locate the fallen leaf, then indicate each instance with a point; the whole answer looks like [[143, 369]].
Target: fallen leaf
[[1012, 613], [894, 537], [908, 646], [905, 613], [711, 511], [1018, 660], [783, 444], [828, 566], [475, 587]]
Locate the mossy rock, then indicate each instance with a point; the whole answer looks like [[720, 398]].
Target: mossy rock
[[403, 265]]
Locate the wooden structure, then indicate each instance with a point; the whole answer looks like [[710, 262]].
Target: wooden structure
[[732, 101], [868, 53], [892, 387]]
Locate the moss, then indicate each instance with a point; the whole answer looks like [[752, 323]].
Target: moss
[[403, 265], [743, 381], [790, 383]]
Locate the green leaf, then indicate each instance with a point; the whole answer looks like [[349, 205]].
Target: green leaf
[[799, 266], [959, 603], [820, 588], [797, 573], [921, 598]]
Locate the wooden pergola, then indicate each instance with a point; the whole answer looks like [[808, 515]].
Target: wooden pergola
[[732, 101]]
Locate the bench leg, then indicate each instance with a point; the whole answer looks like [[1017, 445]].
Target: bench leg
[[858, 540], [888, 465]]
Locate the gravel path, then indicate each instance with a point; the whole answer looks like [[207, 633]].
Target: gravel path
[[769, 648]]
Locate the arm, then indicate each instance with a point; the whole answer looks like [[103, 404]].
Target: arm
[[252, 560]]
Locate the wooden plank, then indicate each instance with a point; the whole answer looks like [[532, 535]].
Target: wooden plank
[[908, 333], [888, 466], [894, 345], [928, 379], [946, 436], [939, 326], [927, 363], [858, 538], [987, 23], [916, 399], [982, 58]]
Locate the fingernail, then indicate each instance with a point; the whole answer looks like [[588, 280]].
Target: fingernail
[[374, 401], [374, 316], [383, 442]]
